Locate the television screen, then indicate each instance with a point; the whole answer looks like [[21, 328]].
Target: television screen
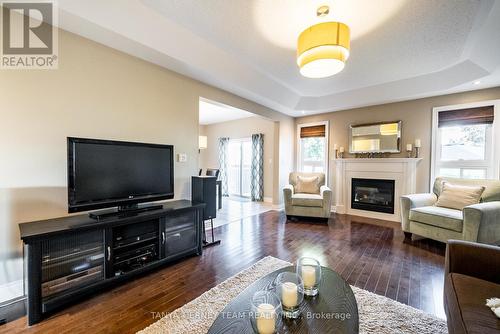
[[103, 173]]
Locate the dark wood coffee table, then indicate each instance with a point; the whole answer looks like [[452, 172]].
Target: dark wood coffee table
[[334, 310]]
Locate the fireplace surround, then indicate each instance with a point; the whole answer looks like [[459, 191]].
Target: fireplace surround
[[402, 170]]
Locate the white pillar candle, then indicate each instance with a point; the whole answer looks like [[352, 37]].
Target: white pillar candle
[[289, 294], [335, 147], [309, 276], [418, 143], [408, 147], [266, 319], [341, 149]]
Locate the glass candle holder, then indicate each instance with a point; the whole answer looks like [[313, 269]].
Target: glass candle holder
[[266, 312], [309, 270], [290, 289]]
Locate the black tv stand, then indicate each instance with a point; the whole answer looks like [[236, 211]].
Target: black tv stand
[[73, 257], [124, 211]]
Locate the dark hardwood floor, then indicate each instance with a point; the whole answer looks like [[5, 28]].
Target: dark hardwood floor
[[370, 254]]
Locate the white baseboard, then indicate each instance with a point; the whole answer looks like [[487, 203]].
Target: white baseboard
[[340, 209], [11, 290]]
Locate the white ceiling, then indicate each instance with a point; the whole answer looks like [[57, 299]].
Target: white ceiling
[[401, 49], [212, 112]]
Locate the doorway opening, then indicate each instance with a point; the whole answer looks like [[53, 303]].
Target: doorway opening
[[241, 146]]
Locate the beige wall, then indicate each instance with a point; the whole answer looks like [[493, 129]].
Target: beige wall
[[417, 123], [97, 92], [242, 128]]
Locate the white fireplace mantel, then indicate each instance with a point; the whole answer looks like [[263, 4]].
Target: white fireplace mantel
[[401, 170]]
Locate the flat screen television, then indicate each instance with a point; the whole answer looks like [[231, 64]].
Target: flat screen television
[[105, 173]]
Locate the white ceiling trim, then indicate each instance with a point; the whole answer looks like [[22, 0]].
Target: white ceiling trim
[[212, 112], [174, 48], [136, 29], [406, 89]]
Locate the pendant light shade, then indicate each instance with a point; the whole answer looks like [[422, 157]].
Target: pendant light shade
[[323, 49]]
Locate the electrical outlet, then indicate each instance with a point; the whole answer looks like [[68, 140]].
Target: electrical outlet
[[182, 157]]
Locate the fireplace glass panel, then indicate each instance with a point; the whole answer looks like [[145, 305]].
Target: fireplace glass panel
[[373, 195]]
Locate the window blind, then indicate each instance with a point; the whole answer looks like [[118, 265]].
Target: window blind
[[312, 131], [469, 116]]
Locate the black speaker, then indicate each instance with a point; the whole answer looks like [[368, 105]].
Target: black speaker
[[203, 190]]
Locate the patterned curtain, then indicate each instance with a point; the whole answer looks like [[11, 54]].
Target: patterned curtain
[[257, 185], [223, 147]]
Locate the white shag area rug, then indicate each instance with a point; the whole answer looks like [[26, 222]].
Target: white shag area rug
[[377, 314]]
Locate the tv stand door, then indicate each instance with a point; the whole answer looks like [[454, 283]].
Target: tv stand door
[[180, 233]]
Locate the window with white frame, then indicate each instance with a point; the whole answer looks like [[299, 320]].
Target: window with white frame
[[463, 145], [312, 147]]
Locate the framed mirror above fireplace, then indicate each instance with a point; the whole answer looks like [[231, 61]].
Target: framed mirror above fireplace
[[384, 137]]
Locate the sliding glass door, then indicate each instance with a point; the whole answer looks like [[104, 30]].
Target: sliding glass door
[[240, 164]]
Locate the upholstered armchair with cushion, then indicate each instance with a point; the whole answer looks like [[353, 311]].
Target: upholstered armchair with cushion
[[472, 275], [307, 196], [436, 217]]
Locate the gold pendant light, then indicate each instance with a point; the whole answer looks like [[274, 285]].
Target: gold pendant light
[[323, 48]]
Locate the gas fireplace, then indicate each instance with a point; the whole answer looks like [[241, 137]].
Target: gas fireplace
[[373, 195]]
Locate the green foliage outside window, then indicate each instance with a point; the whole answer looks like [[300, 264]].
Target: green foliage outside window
[[313, 148]]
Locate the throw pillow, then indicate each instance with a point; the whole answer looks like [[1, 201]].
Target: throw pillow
[[457, 197], [307, 185]]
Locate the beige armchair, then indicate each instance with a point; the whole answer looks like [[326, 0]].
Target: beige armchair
[[308, 204], [478, 222]]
